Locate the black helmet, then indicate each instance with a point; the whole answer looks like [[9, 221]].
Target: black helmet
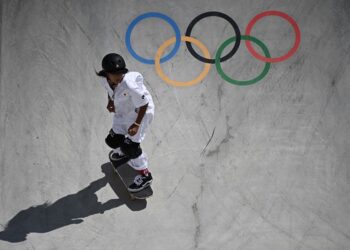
[[113, 63]]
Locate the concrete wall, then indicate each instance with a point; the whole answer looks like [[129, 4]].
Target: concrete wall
[[263, 166]]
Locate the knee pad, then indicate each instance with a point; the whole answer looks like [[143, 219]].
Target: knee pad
[[114, 140], [130, 148]]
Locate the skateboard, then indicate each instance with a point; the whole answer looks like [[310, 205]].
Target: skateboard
[[127, 174]]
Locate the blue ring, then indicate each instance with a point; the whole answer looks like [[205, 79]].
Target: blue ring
[[156, 15]]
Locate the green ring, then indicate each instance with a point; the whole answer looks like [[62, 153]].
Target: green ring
[[233, 81]]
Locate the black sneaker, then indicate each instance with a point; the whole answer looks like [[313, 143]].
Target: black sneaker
[[140, 182], [115, 156]]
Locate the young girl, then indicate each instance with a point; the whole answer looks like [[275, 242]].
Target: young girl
[[133, 109]]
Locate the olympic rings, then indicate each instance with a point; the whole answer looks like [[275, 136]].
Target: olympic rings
[[145, 16], [177, 83], [218, 14], [247, 82], [284, 16], [206, 55]]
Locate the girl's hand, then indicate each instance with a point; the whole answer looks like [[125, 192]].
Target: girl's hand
[[133, 129]]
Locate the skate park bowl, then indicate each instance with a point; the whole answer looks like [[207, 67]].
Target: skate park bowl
[[249, 146]]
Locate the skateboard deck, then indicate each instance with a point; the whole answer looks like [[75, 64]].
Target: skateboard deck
[[127, 174]]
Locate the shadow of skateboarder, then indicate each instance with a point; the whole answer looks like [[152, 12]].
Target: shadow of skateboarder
[[68, 210]]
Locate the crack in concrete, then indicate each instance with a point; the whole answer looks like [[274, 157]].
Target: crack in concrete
[[175, 188], [226, 139], [198, 226], [211, 137], [195, 210]]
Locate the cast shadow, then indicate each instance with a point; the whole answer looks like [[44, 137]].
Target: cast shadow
[[120, 190], [70, 209]]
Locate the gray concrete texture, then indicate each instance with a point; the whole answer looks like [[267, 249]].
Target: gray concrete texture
[[264, 166]]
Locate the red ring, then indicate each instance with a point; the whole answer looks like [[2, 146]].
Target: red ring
[[284, 16]]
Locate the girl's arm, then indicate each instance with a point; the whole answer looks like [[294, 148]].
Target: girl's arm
[[141, 114]]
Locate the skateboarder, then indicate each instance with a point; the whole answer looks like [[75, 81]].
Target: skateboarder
[[133, 110]]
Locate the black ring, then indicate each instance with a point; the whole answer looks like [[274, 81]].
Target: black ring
[[218, 14]]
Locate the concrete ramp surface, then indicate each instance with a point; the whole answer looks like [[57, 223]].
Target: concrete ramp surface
[[249, 146]]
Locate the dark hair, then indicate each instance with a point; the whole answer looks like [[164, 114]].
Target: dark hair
[[102, 73]]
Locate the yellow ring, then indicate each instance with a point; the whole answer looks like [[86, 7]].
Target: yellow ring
[[169, 42]]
